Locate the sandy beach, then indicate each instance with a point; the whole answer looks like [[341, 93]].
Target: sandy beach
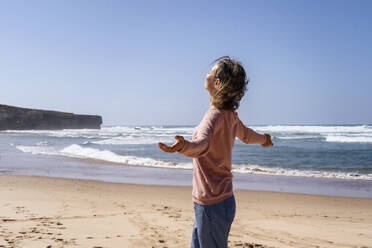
[[53, 212]]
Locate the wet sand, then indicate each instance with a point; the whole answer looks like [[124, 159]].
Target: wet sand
[[53, 212]]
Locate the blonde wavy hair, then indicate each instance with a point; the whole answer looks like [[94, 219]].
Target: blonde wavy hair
[[233, 83]]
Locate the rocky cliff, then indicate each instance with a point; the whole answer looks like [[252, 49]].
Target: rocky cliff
[[15, 118]]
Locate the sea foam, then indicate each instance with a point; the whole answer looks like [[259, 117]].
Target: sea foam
[[122, 135], [349, 139], [77, 151], [315, 129]]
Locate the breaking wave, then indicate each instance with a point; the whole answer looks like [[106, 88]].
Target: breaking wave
[[77, 151]]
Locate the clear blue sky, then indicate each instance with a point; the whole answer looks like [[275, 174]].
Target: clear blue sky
[[144, 62]]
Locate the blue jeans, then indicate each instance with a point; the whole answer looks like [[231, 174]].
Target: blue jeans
[[212, 224]]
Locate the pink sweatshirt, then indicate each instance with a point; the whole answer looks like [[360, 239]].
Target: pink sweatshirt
[[210, 148]]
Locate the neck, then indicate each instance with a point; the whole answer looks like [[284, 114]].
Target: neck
[[210, 101]]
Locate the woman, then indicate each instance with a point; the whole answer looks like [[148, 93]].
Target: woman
[[211, 147]]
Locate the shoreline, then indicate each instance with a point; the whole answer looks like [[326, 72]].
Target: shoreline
[[239, 168], [40, 211], [189, 186], [87, 169]]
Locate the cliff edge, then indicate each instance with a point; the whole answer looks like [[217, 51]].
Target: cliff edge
[[14, 118]]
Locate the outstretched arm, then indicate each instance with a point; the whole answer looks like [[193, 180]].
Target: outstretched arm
[[195, 148], [200, 144], [249, 136]]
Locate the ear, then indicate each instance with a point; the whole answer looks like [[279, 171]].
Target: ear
[[217, 83]]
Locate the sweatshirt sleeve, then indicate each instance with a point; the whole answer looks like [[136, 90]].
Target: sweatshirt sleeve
[[247, 135], [201, 144]]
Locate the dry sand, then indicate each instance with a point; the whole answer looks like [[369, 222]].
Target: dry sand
[[49, 212]]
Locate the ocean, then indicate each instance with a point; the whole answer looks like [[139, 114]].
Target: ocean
[[300, 152]]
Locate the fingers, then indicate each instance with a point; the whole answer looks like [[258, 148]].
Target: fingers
[[175, 147], [180, 142], [161, 145], [169, 149], [165, 148], [268, 141]]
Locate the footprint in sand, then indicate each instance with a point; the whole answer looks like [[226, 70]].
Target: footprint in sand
[[170, 212]]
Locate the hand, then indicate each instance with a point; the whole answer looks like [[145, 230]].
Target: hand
[[268, 141], [180, 142]]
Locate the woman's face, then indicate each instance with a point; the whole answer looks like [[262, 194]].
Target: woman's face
[[211, 82]]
